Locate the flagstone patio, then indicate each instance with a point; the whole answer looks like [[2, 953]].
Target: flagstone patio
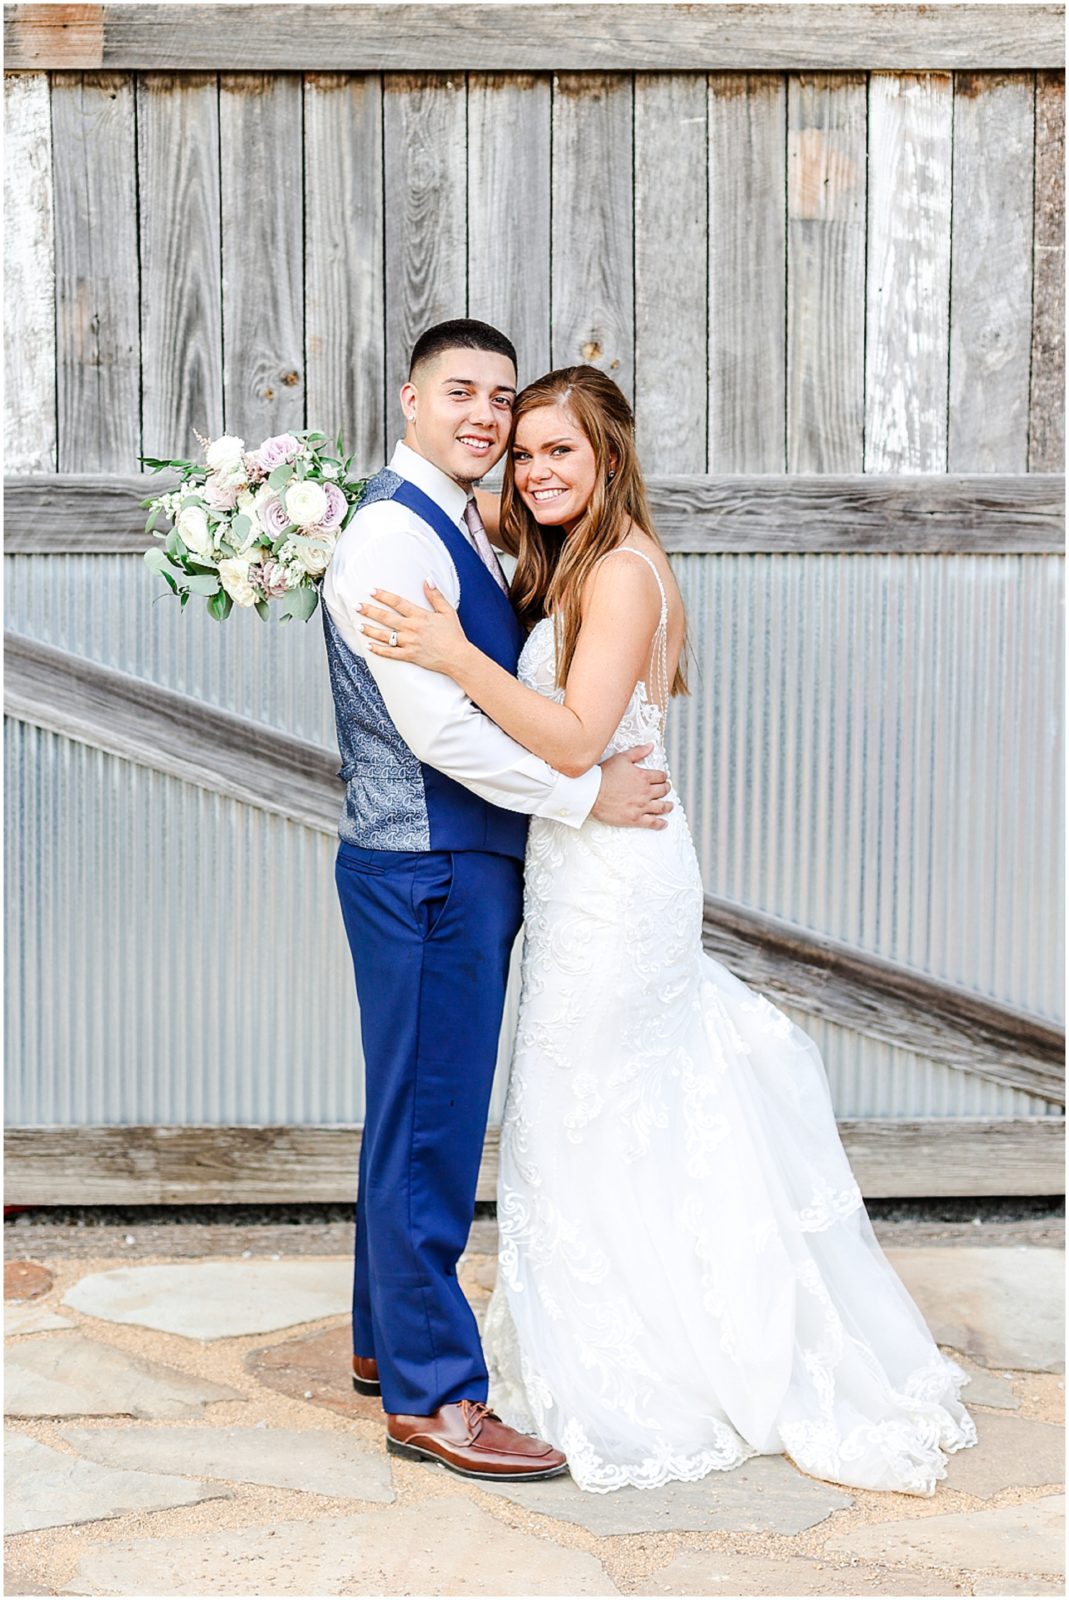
[[187, 1427]]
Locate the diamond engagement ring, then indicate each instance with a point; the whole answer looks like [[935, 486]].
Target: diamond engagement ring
[[393, 641]]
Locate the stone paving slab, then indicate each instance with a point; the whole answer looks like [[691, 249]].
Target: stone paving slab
[[988, 1388], [25, 1280], [67, 1375], [1028, 1538], [438, 1547], [765, 1494], [315, 1367], [1013, 1586], [708, 1572], [44, 1488], [18, 1582], [286, 1458], [31, 1318], [1010, 1453], [217, 1299], [1002, 1306]]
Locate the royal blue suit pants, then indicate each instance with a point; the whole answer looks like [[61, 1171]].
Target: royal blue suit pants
[[431, 933]]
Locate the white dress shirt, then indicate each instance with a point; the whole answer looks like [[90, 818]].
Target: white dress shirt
[[387, 546]]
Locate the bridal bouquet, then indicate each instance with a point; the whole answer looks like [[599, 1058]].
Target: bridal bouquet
[[253, 527]]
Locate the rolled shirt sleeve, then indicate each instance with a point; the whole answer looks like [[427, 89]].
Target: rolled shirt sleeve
[[440, 725]]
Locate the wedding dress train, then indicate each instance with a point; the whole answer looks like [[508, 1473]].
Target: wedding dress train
[[687, 1276]]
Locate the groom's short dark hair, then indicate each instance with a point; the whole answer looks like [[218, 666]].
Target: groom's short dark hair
[[461, 333]]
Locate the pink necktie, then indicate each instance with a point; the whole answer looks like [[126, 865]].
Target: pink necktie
[[482, 544]]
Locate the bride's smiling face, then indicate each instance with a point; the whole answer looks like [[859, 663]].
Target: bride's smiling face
[[554, 466]]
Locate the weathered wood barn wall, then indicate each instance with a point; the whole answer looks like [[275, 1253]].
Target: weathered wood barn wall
[[822, 248]]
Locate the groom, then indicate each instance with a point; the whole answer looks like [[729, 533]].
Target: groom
[[430, 877]]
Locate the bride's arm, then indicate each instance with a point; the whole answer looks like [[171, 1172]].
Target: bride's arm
[[619, 615]]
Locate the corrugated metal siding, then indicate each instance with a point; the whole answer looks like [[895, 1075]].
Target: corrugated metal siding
[[872, 750], [172, 956], [105, 608]]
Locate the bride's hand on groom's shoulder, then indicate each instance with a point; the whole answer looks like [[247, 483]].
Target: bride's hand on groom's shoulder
[[397, 628]]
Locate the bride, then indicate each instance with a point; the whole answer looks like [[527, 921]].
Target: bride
[[688, 1276]]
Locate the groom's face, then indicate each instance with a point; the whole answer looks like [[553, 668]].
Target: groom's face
[[458, 409]]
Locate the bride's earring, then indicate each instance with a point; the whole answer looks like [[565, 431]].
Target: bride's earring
[[612, 474]]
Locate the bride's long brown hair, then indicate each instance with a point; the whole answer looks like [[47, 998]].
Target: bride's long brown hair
[[552, 568]]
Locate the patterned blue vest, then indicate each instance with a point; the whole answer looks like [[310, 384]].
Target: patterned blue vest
[[393, 801]]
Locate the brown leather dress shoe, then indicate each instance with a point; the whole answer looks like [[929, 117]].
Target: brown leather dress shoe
[[470, 1439], [366, 1375]]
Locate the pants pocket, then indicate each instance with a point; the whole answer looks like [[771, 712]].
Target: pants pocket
[[432, 887]]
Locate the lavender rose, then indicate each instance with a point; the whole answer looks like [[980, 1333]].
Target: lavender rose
[[274, 451], [273, 514], [337, 505]]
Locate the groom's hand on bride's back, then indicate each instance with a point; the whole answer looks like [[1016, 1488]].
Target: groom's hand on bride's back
[[632, 796]]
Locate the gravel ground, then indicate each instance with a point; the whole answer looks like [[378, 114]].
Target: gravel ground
[[183, 1232]]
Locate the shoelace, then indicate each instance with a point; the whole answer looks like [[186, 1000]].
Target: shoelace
[[475, 1414]]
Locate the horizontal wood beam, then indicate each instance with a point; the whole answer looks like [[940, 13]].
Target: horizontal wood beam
[[532, 38], [175, 734], [986, 514], [885, 513], [263, 1166], [887, 1000], [171, 733]]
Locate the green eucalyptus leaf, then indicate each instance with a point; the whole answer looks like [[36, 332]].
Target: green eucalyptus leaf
[[280, 476], [183, 599], [263, 610], [220, 605], [307, 610], [203, 583], [241, 525]]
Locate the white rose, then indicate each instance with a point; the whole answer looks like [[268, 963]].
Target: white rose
[[192, 525], [312, 555], [306, 503], [234, 576], [226, 456]]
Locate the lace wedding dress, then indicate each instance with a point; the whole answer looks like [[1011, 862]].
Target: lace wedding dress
[[687, 1276]]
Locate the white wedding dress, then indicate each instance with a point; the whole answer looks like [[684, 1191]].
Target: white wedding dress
[[687, 1275]]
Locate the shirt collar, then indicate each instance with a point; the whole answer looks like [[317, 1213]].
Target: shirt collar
[[435, 483]]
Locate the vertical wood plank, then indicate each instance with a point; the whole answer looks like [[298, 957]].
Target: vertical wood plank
[[30, 275], [747, 268], [345, 313], [671, 271], [424, 117], [826, 189], [593, 224], [991, 274], [97, 333], [508, 211], [263, 299], [908, 278], [181, 273], [1046, 432]]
